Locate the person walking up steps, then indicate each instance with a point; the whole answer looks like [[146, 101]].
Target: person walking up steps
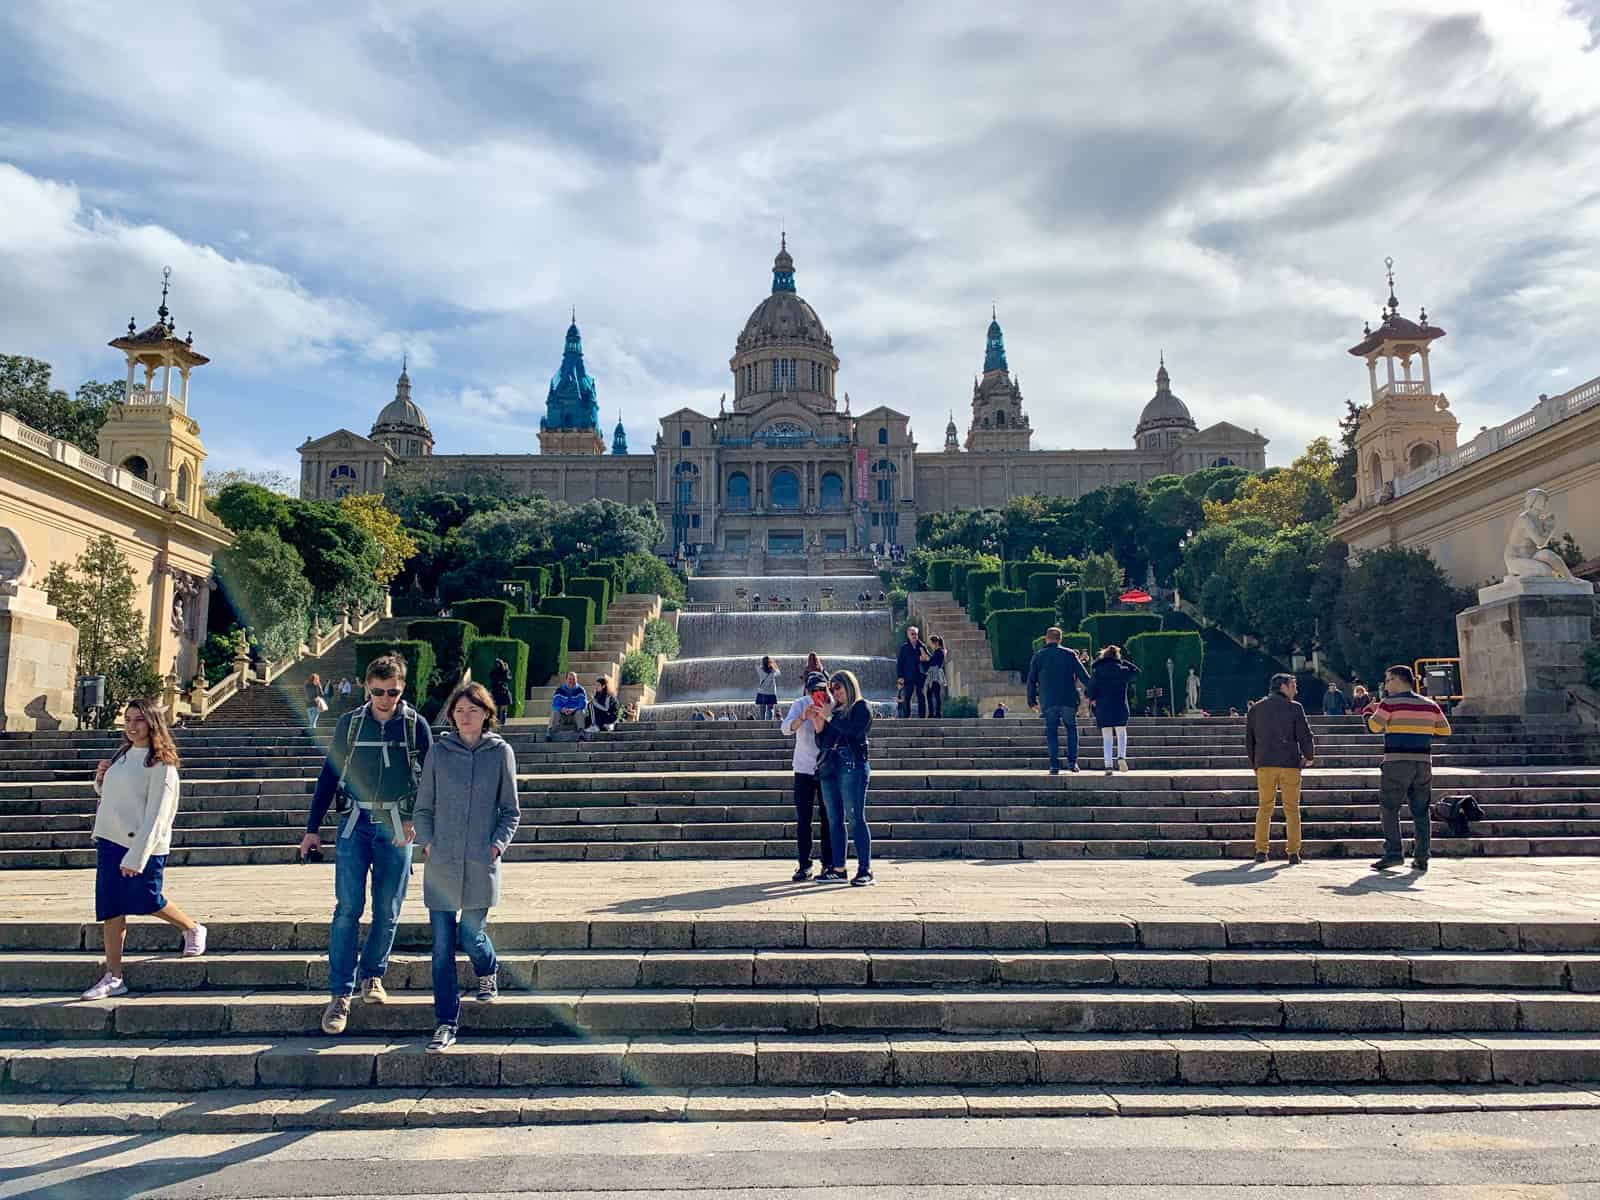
[[316, 703], [138, 790], [1053, 679], [467, 813], [807, 793], [1409, 723], [374, 758], [1108, 689], [843, 773], [767, 688], [1278, 742]]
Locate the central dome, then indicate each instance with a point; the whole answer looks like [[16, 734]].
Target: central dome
[[783, 317]]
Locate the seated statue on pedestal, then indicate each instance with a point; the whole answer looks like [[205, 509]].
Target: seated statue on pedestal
[[1528, 553]]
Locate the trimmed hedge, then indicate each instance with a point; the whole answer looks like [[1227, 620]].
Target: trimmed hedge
[[1011, 632], [958, 580], [1018, 573], [1115, 628], [558, 579], [597, 588], [1073, 604], [487, 617], [1151, 651], [1072, 641], [1003, 597], [515, 651], [579, 612], [518, 594], [546, 639], [451, 640], [1233, 675], [538, 581], [978, 585], [939, 574], [612, 569], [419, 661]]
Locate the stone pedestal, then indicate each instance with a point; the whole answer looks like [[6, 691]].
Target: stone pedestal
[[38, 655], [1522, 646]]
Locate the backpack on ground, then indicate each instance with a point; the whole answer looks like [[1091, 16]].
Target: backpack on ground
[[1458, 813]]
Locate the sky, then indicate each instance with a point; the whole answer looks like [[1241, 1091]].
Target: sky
[[335, 186]]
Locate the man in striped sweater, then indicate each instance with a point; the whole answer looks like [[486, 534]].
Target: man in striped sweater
[[1409, 723]]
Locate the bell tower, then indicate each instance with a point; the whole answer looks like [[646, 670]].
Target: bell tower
[[1407, 424], [150, 433], [998, 422]]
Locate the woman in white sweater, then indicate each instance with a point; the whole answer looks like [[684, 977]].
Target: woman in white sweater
[[138, 790]]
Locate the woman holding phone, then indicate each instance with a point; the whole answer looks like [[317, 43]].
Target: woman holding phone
[[842, 771]]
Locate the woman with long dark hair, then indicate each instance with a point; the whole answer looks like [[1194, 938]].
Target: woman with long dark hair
[[842, 772], [933, 675], [1108, 690], [316, 702], [138, 790], [767, 688]]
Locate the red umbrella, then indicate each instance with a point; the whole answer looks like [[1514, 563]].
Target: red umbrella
[[1135, 596]]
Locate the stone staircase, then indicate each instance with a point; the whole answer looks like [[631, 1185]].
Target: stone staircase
[[693, 1017], [622, 633], [968, 661], [971, 789]]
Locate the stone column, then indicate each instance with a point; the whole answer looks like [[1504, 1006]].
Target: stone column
[[38, 658], [1522, 645]]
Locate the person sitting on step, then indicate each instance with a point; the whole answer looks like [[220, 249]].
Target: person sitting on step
[[604, 706], [568, 709]]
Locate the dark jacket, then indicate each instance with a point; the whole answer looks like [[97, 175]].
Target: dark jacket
[[1276, 733], [603, 709], [1054, 676], [368, 779], [1108, 689], [908, 663], [1334, 703], [844, 738]]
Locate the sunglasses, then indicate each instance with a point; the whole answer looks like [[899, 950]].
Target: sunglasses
[[390, 692]]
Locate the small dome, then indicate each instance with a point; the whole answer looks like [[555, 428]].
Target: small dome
[[1165, 409], [783, 317], [401, 415]]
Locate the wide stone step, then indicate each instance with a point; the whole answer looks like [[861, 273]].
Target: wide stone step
[[487, 1059], [68, 973]]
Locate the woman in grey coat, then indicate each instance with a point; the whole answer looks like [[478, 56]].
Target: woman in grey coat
[[466, 815]]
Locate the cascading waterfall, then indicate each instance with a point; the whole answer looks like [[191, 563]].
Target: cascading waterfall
[[797, 590], [719, 634]]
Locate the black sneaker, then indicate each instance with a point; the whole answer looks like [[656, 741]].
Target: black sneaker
[[803, 874], [1294, 860], [1387, 861], [1055, 770], [862, 879], [1074, 768], [1420, 866], [830, 875], [1261, 857], [443, 1038]]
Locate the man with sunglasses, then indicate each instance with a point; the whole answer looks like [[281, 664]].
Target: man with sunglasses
[[373, 761]]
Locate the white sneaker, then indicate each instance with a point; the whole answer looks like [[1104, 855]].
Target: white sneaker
[[109, 985], [1122, 764], [194, 941]]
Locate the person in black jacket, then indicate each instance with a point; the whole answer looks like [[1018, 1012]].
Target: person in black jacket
[[1053, 679], [908, 669], [1108, 690], [1278, 742], [842, 772], [604, 709], [934, 675]]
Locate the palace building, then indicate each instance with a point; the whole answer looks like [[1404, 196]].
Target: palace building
[[790, 466]]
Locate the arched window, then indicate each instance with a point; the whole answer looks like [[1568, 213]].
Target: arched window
[[1000, 418], [1223, 461], [738, 491], [183, 484], [136, 466], [342, 480], [1421, 454], [785, 489], [1375, 473], [832, 491], [883, 435], [685, 438]]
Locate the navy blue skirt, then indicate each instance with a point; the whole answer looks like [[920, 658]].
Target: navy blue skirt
[[119, 895]]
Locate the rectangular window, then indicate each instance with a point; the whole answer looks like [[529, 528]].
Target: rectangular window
[[694, 521]]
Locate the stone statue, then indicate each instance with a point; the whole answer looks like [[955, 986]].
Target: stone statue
[[1528, 552], [1192, 689], [15, 564]]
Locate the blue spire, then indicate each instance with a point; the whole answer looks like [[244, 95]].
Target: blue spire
[[619, 438], [783, 267], [572, 402], [994, 354]]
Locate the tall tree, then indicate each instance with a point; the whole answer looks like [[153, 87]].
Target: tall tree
[[1343, 483], [265, 582], [395, 545], [280, 482], [96, 595], [1396, 606], [26, 394]]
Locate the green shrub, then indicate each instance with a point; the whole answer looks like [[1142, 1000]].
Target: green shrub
[[939, 574], [1072, 641], [660, 638], [1151, 651], [977, 587], [419, 662], [958, 580], [649, 575], [515, 651], [1073, 604], [1011, 632], [597, 588], [1233, 674], [518, 594], [960, 706], [579, 612], [1018, 573], [639, 666], [487, 617], [218, 651], [1115, 628], [538, 581], [546, 638], [451, 640], [1003, 597], [614, 570]]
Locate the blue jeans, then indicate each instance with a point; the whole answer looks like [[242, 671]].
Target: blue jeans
[[367, 848], [1060, 714], [844, 791], [448, 928]]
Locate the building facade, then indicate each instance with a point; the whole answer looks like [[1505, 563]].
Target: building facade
[[789, 466]]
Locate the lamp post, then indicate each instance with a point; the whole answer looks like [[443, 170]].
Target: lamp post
[[1172, 704]]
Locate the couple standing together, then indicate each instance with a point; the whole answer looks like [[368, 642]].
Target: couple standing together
[[395, 787], [1054, 676], [830, 724]]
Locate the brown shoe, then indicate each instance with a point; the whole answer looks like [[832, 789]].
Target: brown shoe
[[336, 1016], [372, 991]]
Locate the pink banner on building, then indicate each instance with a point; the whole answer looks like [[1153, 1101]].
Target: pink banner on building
[[861, 475]]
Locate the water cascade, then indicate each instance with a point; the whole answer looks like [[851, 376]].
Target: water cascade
[[800, 591]]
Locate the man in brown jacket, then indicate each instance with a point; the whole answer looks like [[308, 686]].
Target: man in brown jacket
[[1277, 738]]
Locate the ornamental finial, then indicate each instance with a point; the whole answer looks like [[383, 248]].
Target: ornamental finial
[[1388, 264], [166, 282]]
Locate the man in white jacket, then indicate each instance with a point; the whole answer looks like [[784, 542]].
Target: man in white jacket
[[806, 795]]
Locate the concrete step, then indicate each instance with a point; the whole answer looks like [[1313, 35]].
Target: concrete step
[[487, 1058]]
